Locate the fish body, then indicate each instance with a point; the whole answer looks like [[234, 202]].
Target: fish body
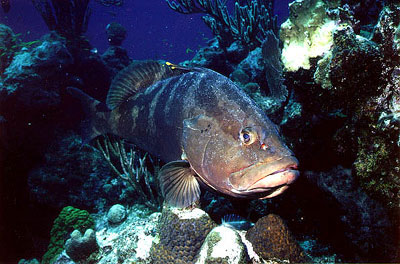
[[206, 128]]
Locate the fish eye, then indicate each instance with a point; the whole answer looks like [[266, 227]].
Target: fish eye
[[248, 136]]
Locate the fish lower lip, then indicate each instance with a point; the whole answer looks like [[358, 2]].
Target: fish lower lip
[[275, 180]]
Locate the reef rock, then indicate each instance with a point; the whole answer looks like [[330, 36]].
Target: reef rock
[[343, 70], [44, 61], [116, 58], [271, 239], [181, 232], [129, 242], [116, 33], [7, 41], [222, 245], [30, 261], [77, 174], [30, 96], [365, 222], [212, 57], [253, 67]]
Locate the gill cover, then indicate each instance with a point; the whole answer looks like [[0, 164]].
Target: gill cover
[[211, 152]]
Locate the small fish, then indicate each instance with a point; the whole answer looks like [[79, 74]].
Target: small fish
[[189, 50], [236, 222], [207, 129]]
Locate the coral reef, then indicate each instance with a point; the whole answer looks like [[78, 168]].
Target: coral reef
[[5, 4], [348, 97], [116, 34], [134, 170], [249, 24], [31, 261], [80, 247], [272, 239], [70, 219], [58, 181], [130, 241], [48, 60], [367, 226], [336, 98], [271, 54], [116, 58], [306, 34], [354, 67], [348, 75], [8, 40], [111, 2], [213, 57], [181, 233], [69, 18], [378, 161]]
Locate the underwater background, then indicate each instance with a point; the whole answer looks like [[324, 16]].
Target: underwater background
[[327, 73]]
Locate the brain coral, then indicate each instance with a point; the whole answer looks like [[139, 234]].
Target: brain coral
[[271, 239], [181, 233]]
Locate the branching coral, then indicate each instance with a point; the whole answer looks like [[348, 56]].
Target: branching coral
[[133, 170], [68, 17], [249, 24]]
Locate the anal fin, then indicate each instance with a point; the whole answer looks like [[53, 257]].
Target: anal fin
[[179, 185]]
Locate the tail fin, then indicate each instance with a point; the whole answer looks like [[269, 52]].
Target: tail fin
[[96, 120]]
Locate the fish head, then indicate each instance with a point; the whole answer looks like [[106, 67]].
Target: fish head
[[241, 159]]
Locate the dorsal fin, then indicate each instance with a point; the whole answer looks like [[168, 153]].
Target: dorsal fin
[[138, 76]]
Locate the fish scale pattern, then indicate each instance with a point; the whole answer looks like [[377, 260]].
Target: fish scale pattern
[[180, 236]]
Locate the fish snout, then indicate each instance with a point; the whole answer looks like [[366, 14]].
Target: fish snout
[[265, 180]]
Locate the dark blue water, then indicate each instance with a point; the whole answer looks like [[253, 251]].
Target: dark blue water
[[154, 30]]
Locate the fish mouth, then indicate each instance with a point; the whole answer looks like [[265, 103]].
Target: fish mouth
[[265, 180], [275, 183]]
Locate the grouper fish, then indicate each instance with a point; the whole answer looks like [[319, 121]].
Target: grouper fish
[[199, 122]]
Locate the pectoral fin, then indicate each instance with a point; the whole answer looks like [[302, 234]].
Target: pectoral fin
[[179, 184]]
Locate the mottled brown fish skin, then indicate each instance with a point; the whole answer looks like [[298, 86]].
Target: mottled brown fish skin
[[203, 115]]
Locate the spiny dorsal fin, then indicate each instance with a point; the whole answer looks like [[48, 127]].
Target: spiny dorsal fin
[[179, 184], [138, 76]]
